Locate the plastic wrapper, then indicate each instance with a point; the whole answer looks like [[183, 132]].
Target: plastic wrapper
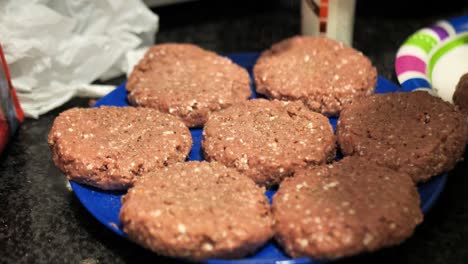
[[57, 48]]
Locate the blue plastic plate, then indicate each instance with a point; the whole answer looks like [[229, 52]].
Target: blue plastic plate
[[105, 205]]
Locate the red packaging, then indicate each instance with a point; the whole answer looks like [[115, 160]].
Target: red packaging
[[11, 114]]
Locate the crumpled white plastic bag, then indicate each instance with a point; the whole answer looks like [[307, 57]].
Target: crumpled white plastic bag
[[56, 48]]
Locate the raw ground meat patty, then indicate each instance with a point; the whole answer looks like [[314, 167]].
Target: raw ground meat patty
[[321, 72], [460, 96], [414, 132], [344, 208], [197, 210], [187, 81], [268, 140], [109, 147]]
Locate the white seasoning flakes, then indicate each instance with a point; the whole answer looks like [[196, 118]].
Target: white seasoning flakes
[[367, 239], [181, 228], [70, 129], [207, 246], [273, 145], [229, 242], [347, 239], [330, 185], [168, 132], [155, 213], [303, 242]]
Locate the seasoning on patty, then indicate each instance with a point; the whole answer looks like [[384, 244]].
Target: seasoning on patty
[[197, 210], [323, 73], [414, 132], [344, 208], [268, 140], [460, 96], [187, 81], [109, 147]]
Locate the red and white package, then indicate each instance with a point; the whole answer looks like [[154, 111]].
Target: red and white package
[[11, 114]]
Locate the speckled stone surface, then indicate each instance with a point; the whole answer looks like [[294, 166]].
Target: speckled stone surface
[[41, 220]]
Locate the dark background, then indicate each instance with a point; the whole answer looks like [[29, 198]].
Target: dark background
[[41, 220]]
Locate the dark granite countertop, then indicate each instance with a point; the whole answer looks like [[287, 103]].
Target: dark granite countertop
[[41, 220]]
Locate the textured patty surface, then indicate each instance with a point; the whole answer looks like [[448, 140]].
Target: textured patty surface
[[187, 81], [109, 147], [415, 132], [267, 140], [344, 208], [197, 210], [323, 73], [460, 96]]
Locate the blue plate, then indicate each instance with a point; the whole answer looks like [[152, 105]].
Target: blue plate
[[105, 205]]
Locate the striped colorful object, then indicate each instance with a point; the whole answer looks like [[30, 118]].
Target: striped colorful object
[[417, 57]]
